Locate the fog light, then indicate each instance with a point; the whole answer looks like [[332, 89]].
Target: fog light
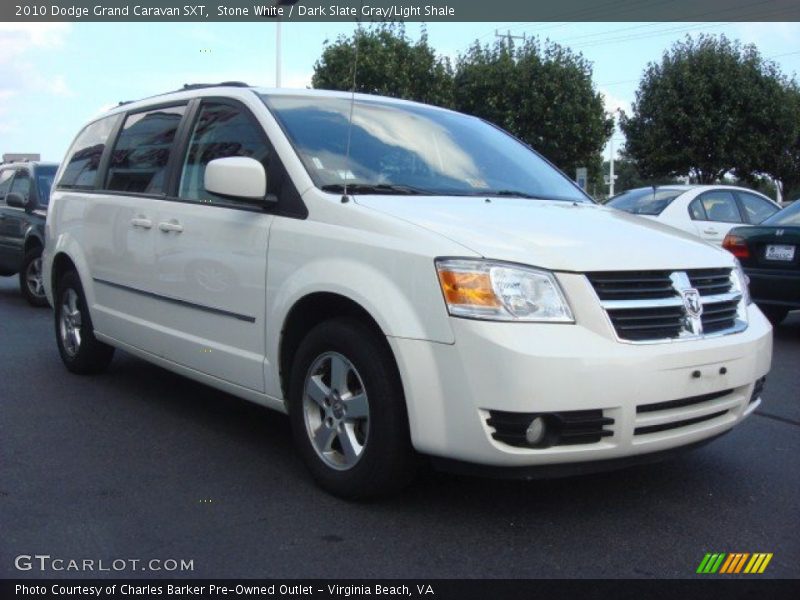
[[534, 434]]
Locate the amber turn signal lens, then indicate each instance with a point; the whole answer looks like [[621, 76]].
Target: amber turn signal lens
[[473, 289]]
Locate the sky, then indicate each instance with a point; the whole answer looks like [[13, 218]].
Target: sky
[[55, 76]]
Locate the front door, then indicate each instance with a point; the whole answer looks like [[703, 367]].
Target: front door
[[211, 256]]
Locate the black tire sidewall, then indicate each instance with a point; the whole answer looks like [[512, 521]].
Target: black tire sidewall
[[30, 256], [92, 356], [387, 460]]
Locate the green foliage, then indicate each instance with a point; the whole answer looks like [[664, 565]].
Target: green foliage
[[629, 177], [389, 64], [540, 92], [786, 158], [710, 107]]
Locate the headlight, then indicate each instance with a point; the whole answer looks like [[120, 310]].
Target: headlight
[[742, 282], [482, 289]]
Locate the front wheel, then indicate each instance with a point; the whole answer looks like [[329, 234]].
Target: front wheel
[[30, 277], [80, 351], [348, 412]]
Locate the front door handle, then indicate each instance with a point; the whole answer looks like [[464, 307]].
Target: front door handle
[[170, 226], [142, 222]]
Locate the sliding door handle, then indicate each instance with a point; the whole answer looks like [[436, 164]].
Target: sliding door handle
[[142, 222], [170, 226]]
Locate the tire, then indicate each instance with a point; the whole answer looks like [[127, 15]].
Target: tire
[[775, 314], [30, 277], [356, 443], [80, 351]]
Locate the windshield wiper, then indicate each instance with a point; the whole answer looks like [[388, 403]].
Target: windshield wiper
[[373, 188], [519, 194]]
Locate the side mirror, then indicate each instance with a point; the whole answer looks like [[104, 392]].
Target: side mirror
[[238, 177], [17, 201]]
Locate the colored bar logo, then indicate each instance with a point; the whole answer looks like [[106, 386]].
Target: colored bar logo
[[733, 563]]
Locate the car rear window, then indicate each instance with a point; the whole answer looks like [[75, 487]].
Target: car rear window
[[83, 158], [789, 216], [44, 182], [644, 201]]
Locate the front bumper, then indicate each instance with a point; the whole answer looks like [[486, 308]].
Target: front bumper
[[525, 368]]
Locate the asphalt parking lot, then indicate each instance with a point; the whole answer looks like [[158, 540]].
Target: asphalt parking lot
[[139, 463]]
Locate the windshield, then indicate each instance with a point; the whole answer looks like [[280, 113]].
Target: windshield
[[412, 149], [44, 181], [788, 216], [644, 201]]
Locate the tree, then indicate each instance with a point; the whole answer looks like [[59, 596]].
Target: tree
[[389, 64], [786, 159], [710, 107], [540, 92]]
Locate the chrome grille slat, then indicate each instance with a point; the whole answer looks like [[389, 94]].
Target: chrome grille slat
[[651, 306]]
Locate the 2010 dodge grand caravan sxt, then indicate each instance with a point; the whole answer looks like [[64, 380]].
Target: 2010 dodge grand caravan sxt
[[401, 279]]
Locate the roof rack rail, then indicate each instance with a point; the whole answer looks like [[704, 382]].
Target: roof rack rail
[[197, 86], [187, 87]]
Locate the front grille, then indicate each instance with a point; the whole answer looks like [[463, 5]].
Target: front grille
[[563, 428], [632, 285], [758, 388], [646, 306], [674, 414], [677, 424], [719, 316], [647, 323], [710, 282], [683, 402]]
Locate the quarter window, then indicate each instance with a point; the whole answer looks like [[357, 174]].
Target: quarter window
[[80, 171], [720, 206], [756, 209], [5, 182], [696, 211], [140, 156], [21, 184], [221, 130]]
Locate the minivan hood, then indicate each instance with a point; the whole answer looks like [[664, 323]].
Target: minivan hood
[[562, 236]]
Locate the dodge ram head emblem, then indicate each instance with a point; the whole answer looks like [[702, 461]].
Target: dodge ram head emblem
[[691, 302]]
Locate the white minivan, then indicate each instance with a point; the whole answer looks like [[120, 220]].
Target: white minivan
[[403, 280]]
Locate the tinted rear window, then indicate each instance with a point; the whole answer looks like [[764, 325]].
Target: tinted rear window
[[789, 216], [44, 182], [644, 201], [83, 158]]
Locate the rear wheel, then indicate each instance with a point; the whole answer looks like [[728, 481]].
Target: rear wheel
[[348, 412], [80, 351], [775, 314], [30, 277]]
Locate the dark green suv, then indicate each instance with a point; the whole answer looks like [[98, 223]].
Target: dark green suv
[[24, 193]]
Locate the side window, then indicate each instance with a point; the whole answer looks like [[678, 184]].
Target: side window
[[83, 157], [5, 182], [756, 209], [696, 210], [21, 184], [221, 130], [140, 156], [720, 206]]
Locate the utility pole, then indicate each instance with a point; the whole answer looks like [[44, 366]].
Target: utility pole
[[611, 171], [278, 53], [276, 4], [508, 36]]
